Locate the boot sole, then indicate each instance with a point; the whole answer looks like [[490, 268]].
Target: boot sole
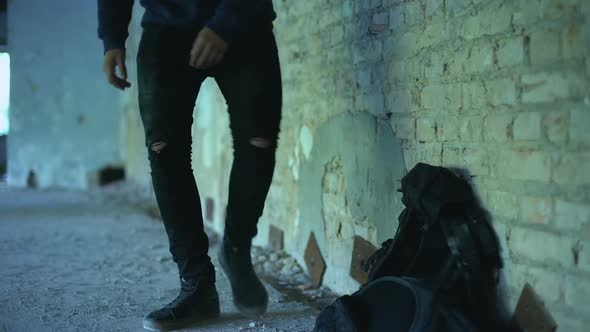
[[181, 323], [246, 311]]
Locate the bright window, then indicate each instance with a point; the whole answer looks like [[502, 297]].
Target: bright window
[[4, 92]]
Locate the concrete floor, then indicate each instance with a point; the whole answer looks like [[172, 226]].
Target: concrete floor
[[85, 262]]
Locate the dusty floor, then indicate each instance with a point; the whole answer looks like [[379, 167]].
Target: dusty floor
[[84, 262]]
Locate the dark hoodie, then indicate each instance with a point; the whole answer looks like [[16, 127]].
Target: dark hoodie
[[226, 17]]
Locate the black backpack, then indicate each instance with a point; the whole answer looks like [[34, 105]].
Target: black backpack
[[438, 273]]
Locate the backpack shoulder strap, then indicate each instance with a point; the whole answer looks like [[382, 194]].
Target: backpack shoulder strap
[[464, 256], [486, 239]]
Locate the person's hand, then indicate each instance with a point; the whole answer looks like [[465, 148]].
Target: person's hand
[[113, 59], [208, 49]]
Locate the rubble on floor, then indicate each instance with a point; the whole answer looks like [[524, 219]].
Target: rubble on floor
[[284, 273]]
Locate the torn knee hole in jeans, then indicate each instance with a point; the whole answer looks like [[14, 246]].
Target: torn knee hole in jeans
[[262, 143], [158, 146]]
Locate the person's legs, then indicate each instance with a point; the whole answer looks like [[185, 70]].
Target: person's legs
[[167, 91], [250, 81]]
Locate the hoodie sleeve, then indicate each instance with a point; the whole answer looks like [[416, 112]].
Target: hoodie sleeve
[[233, 16], [113, 22]]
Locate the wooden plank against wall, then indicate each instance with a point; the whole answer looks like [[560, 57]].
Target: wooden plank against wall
[[361, 251], [531, 314], [316, 266]]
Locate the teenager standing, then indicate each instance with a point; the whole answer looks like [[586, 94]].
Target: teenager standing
[[184, 42]]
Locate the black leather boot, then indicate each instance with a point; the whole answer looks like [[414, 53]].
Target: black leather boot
[[197, 302], [249, 295]]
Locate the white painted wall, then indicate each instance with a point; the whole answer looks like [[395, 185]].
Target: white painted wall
[[65, 120]]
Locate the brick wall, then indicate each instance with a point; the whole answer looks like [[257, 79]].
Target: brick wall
[[499, 87]]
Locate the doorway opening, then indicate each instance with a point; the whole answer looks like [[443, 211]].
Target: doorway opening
[[4, 104], [4, 90]]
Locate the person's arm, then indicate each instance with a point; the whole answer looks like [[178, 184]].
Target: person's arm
[[113, 28], [233, 16], [113, 22]]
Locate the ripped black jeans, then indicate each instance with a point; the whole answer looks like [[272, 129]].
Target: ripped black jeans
[[250, 80]]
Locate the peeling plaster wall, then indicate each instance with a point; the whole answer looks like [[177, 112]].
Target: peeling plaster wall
[[65, 119], [347, 187]]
